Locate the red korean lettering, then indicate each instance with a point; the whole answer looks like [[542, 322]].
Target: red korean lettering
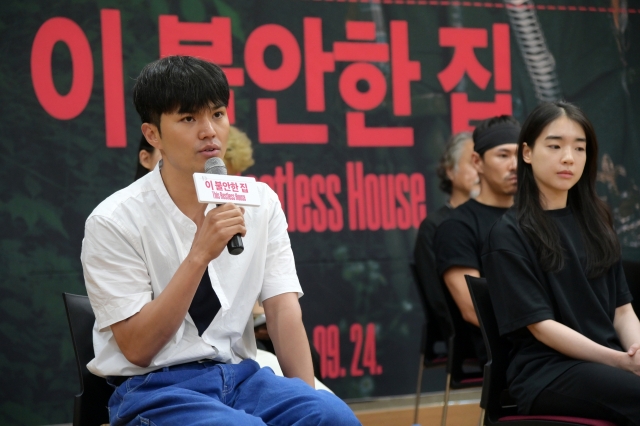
[[233, 186], [214, 44], [218, 186], [404, 70], [270, 130], [214, 39], [464, 111], [69, 106], [361, 30], [501, 57], [243, 187], [265, 77], [365, 52], [464, 60], [358, 51], [114, 114], [373, 76], [317, 63], [361, 135]]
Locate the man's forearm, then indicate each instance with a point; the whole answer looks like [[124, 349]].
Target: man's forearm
[[294, 355], [457, 286], [284, 323], [143, 335]]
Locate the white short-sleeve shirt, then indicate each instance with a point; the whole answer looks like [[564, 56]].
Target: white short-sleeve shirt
[[134, 242]]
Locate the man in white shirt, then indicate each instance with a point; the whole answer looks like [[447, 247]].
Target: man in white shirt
[[173, 330]]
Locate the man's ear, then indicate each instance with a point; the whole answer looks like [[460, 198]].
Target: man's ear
[[526, 153], [450, 173], [477, 162], [152, 134]]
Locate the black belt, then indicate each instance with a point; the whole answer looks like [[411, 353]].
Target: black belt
[[118, 380]]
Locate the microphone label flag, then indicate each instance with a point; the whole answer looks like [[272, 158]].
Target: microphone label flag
[[220, 189]]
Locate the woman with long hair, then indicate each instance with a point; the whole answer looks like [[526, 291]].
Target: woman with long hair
[[553, 267]]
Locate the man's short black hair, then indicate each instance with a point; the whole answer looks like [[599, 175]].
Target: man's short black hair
[[181, 84]]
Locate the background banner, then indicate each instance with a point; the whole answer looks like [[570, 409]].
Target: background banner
[[348, 105]]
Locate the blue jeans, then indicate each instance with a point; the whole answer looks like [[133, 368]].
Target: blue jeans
[[211, 393]]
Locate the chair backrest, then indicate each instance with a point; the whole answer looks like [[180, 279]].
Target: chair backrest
[[433, 293], [495, 371], [90, 405], [632, 273], [459, 344], [433, 333]]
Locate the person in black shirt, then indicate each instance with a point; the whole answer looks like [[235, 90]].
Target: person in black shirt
[[459, 179], [555, 278], [459, 239]]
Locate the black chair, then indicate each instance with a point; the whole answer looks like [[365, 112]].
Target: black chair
[[632, 273], [453, 350], [90, 405], [433, 346], [463, 370], [495, 401]]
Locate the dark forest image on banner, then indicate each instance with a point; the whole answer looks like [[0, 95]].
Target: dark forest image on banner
[[348, 106]]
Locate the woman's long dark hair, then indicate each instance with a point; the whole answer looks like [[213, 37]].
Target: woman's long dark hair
[[593, 216]]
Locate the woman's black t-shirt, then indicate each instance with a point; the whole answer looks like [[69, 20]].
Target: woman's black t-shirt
[[523, 294]]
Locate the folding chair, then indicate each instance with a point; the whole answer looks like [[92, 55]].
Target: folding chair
[[433, 346], [458, 347], [498, 410], [461, 352], [90, 405]]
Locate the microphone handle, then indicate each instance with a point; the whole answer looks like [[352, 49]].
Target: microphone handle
[[235, 245]]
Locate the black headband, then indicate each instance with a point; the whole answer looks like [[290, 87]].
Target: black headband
[[499, 134]]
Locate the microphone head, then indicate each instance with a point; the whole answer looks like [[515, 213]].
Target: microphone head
[[215, 166]]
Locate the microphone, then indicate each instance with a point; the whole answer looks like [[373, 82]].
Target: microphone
[[216, 166]]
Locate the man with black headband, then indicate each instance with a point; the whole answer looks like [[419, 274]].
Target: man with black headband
[[459, 239]]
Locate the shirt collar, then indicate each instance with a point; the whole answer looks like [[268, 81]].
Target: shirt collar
[[161, 190]]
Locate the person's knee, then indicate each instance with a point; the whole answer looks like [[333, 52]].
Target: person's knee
[[329, 410]]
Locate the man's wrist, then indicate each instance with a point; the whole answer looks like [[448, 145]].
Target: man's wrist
[[198, 260]]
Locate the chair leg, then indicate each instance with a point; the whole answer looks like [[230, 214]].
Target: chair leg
[[446, 400], [481, 420], [418, 389]]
